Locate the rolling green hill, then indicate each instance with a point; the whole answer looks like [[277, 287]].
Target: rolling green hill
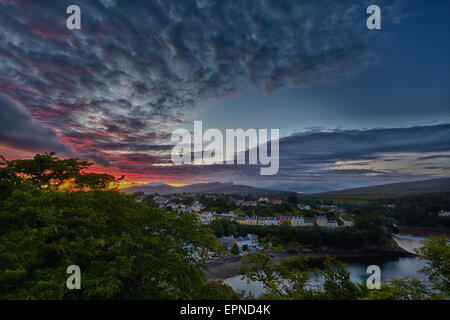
[[441, 185]]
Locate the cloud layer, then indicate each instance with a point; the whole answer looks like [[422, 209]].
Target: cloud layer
[[113, 91], [137, 67], [18, 130]]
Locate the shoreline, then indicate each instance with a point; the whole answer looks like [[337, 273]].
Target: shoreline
[[423, 231], [230, 266]]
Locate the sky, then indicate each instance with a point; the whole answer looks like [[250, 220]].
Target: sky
[[354, 106]]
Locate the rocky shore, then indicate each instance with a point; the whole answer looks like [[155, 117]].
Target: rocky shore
[[230, 266]]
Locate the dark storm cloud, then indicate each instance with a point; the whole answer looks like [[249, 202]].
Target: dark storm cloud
[[352, 145], [19, 131], [322, 161], [138, 66], [436, 156]]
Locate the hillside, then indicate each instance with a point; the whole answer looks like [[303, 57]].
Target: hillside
[[388, 190], [209, 188]]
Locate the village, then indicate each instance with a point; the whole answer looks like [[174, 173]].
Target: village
[[206, 217]]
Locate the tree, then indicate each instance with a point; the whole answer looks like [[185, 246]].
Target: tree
[[337, 284], [288, 279], [48, 171], [217, 227], [436, 253], [293, 200], [232, 229], [125, 249], [235, 249]]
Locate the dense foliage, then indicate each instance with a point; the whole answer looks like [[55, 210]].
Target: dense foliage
[[125, 249], [413, 210]]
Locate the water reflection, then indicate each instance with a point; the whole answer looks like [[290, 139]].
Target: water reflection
[[394, 268]]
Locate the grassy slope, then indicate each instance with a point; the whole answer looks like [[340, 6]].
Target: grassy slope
[[359, 195]]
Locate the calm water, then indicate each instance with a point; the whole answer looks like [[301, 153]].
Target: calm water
[[390, 268]]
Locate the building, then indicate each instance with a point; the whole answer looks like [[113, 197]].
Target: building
[[227, 242], [272, 221], [140, 198], [172, 205], [262, 221], [241, 220], [284, 219], [250, 203], [443, 213], [251, 240], [332, 224], [275, 201], [304, 207], [160, 200], [298, 221], [309, 222], [197, 206], [321, 221], [206, 217], [226, 216]]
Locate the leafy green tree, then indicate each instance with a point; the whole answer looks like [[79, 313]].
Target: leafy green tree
[[436, 254], [293, 200], [290, 279], [337, 284], [48, 171], [125, 249], [400, 289], [235, 249], [232, 230], [218, 228]]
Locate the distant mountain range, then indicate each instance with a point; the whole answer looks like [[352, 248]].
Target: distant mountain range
[[394, 189], [208, 188]]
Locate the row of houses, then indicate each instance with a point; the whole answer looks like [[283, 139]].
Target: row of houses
[[327, 207], [295, 221], [331, 208], [179, 207], [261, 201]]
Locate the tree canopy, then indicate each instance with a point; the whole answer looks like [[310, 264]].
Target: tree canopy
[[125, 249]]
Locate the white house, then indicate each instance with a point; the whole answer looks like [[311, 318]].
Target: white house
[[443, 213], [298, 221], [272, 221], [332, 224], [197, 206], [227, 242], [251, 240], [304, 207]]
